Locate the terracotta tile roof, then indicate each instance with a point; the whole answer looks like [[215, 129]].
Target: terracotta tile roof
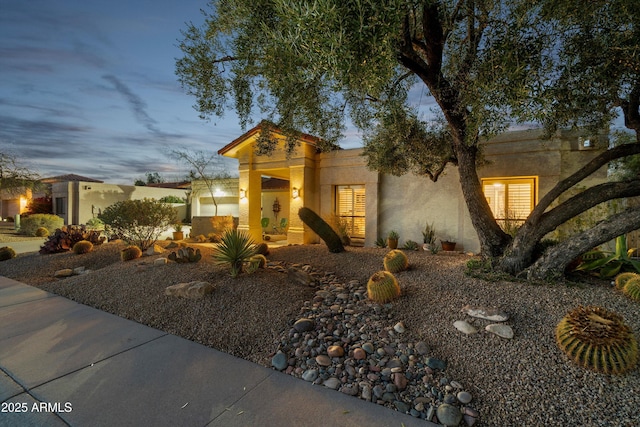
[[68, 177]]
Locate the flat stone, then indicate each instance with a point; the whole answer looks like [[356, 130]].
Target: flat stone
[[65, 272], [471, 412], [464, 327], [279, 361], [366, 393], [160, 261], [434, 363], [335, 351], [332, 383], [323, 360], [455, 384], [401, 406], [304, 325], [500, 330], [310, 375], [368, 347], [469, 420], [399, 327], [492, 314], [154, 250], [79, 270], [190, 290], [359, 354], [350, 389], [464, 397], [448, 415], [422, 348], [400, 381], [299, 276]]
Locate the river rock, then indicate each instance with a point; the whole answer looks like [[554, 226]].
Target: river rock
[[304, 325], [464, 327], [464, 397], [310, 375], [323, 360], [422, 348], [500, 330], [492, 314], [65, 272], [359, 354], [279, 361], [448, 415], [332, 383], [335, 351]]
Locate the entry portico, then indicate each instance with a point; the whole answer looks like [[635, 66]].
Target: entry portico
[[299, 168]]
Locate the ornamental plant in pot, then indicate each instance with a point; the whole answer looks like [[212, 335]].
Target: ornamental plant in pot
[[448, 245], [178, 234], [392, 239], [429, 238]]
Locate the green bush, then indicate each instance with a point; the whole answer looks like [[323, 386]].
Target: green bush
[[172, 199], [29, 225], [140, 222], [95, 224]]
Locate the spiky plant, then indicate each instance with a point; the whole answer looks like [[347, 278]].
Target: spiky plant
[[381, 242], [184, 255], [632, 288], [262, 248], [260, 259], [382, 287], [82, 247], [623, 278], [6, 253], [395, 261], [130, 252], [234, 249], [598, 340]]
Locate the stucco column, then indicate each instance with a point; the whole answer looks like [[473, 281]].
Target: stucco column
[[249, 206], [301, 178]]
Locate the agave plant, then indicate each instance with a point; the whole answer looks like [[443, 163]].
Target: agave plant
[[609, 266], [234, 249]]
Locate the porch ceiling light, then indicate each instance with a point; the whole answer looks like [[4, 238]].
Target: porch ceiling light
[[243, 193], [295, 192]]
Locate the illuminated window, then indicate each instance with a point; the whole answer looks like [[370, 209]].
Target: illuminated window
[[511, 199], [350, 206]]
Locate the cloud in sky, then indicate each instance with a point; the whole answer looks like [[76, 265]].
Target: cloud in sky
[[138, 106]]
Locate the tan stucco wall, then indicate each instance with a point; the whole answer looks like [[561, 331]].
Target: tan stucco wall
[[86, 199]]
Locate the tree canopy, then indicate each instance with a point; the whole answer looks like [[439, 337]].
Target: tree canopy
[[14, 176], [309, 65]]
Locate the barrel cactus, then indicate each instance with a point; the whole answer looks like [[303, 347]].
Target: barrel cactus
[[185, 255], [260, 259], [383, 287], [262, 248], [632, 288], [7, 253], [130, 252], [623, 278], [82, 247], [395, 261], [322, 229], [598, 340]]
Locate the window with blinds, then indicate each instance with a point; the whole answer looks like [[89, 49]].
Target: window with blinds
[[350, 207], [511, 199]]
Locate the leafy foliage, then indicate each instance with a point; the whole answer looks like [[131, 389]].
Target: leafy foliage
[[172, 199], [64, 239], [40, 205], [381, 242], [234, 249], [140, 222], [411, 245], [611, 265], [14, 176], [29, 225]]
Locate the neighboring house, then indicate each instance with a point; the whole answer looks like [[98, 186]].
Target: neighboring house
[[77, 201], [520, 167]]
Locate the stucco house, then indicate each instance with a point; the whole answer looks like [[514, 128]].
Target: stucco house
[[520, 166]]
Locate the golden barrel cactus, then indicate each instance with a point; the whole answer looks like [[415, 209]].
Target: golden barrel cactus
[[623, 278], [383, 287], [395, 261], [598, 340], [632, 288], [130, 252]]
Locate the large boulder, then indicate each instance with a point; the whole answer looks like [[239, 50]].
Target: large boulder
[[190, 290]]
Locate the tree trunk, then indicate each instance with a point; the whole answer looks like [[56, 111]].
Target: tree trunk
[[552, 264], [492, 239]]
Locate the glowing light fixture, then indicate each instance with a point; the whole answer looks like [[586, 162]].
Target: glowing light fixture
[[243, 193], [295, 192]]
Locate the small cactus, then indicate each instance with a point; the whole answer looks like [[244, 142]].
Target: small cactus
[[262, 248], [383, 287], [82, 247], [130, 252], [623, 278], [598, 340], [260, 259], [42, 232], [632, 288], [7, 253], [395, 261], [185, 255]]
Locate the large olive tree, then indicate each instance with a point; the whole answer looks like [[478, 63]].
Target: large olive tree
[[307, 65]]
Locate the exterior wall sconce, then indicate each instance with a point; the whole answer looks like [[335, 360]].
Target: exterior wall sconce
[[243, 193], [295, 192]]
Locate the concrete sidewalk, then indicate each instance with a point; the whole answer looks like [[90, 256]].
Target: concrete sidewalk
[[63, 363], [24, 246]]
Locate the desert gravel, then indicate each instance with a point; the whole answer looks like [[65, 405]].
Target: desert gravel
[[525, 381]]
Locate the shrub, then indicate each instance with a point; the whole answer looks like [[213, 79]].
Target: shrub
[[29, 225], [381, 242], [40, 205], [95, 224], [64, 238], [130, 252], [184, 255], [598, 340], [395, 261], [234, 249], [82, 247], [7, 253], [322, 229], [411, 245], [382, 287], [172, 199], [42, 232], [140, 222]]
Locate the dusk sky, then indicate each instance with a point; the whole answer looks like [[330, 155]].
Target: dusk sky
[[89, 88]]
